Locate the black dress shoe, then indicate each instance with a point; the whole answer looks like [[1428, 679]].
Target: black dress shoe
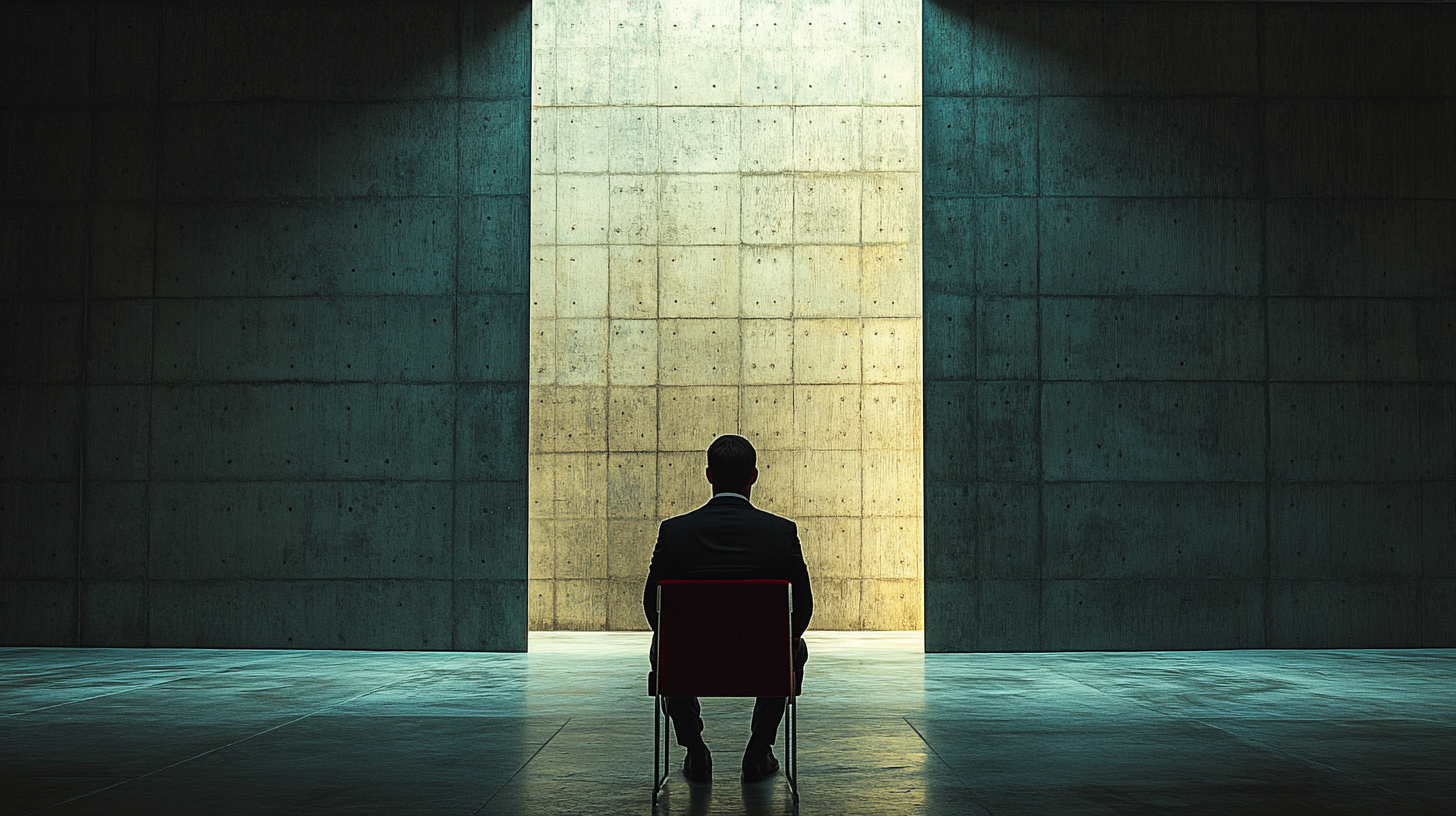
[[698, 765], [758, 766]]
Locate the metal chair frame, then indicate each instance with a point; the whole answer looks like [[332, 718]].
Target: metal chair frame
[[661, 760]]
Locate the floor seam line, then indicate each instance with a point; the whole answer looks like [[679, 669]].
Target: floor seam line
[[6, 656], [1356, 776], [954, 773], [522, 768], [269, 730], [1139, 703], [1203, 722], [130, 690], [118, 693]]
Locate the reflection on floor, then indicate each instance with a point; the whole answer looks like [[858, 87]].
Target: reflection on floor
[[568, 729]]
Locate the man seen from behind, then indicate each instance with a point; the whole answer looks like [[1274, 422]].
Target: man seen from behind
[[729, 539]]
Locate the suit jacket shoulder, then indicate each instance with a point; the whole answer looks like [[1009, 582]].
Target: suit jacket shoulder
[[730, 539], [726, 534]]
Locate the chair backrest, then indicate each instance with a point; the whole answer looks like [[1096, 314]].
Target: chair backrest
[[725, 638]]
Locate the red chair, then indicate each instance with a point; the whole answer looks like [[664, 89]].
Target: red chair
[[724, 639]]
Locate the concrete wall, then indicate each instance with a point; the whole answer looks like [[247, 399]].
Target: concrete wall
[[1190, 272], [265, 270], [725, 239], [1190, 284]]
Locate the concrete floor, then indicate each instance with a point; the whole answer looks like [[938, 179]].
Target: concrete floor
[[567, 729]]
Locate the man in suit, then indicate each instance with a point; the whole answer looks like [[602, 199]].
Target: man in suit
[[730, 539]]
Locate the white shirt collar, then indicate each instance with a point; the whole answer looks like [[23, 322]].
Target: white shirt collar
[[738, 495]]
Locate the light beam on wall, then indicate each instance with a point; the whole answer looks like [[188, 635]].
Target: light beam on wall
[[725, 239]]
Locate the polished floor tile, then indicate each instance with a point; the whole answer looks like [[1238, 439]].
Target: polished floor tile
[[567, 729]]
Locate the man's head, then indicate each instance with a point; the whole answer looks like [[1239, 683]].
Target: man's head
[[732, 464]]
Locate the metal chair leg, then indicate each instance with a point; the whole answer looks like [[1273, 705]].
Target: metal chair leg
[[791, 726], [659, 751], [656, 746]]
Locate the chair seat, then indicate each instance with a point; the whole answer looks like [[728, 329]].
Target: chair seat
[[795, 679]]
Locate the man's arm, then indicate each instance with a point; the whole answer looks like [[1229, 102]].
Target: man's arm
[[649, 592], [649, 597], [803, 596]]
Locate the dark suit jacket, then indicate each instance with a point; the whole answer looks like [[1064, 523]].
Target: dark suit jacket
[[729, 539]]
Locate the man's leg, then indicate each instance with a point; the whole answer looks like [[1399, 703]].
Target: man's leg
[[768, 712], [687, 720], [685, 712], [687, 723]]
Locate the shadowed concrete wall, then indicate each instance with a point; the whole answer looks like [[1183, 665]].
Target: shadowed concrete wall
[[265, 364], [725, 239], [1189, 280]]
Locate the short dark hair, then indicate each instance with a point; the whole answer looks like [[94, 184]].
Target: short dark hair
[[732, 460]]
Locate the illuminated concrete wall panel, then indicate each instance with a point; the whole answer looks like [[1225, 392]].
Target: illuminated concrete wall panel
[[725, 239]]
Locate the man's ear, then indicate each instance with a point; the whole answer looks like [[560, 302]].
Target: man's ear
[[754, 478], [709, 473]]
